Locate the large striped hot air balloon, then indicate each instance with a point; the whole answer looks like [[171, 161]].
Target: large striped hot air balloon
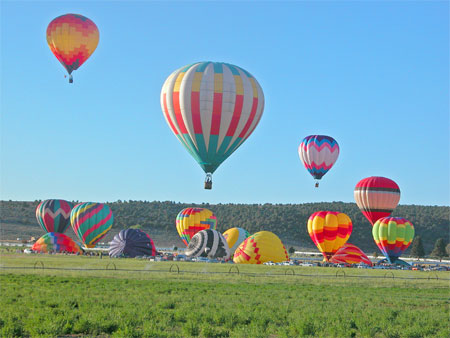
[[55, 242], [192, 220], [318, 154], [350, 254], [261, 247], [329, 230], [54, 215], [91, 221], [393, 235], [376, 197], [72, 38], [212, 108]]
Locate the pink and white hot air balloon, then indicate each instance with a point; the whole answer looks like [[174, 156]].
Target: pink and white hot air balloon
[[318, 153]]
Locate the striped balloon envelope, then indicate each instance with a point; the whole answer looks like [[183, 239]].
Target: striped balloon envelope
[[393, 235], [259, 248], [208, 243], [376, 197], [329, 230], [91, 221], [192, 220], [55, 242], [54, 215], [350, 254], [72, 38], [318, 154], [212, 108]]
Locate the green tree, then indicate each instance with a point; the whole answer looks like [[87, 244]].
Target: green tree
[[375, 254], [291, 250], [439, 249], [417, 248], [447, 249]]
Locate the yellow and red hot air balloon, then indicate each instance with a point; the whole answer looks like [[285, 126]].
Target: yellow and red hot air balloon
[[376, 197], [212, 108], [234, 237], [192, 220], [329, 230], [264, 246], [72, 38]]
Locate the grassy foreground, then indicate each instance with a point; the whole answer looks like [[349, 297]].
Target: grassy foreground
[[44, 302]]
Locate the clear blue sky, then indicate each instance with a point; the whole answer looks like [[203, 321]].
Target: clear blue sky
[[374, 75]]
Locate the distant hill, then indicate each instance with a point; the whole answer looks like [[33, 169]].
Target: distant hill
[[288, 221]]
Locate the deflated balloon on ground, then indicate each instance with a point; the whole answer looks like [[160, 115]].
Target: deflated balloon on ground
[[261, 247], [132, 243], [208, 243], [350, 254], [56, 242]]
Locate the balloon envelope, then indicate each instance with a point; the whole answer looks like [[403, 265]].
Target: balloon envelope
[[54, 215], [376, 197], [55, 242], [212, 108], [261, 247], [329, 230], [350, 254], [131, 243], [192, 220], [234, 237], [91, 221], [393, 235], [318, 154], [208, 243], [72, 38]]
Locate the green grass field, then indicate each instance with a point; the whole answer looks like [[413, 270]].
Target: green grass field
[[205, 300]]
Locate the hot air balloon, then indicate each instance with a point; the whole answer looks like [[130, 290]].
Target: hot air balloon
[[261, 247], [54, 215], [192, 220], [72, 38], [318, 153], [350, 254], [131, 243], [55, 242], [212, 108], [393, 235], [208, 243], [91, 221], [329, 230], [376, 197], [234, 237]]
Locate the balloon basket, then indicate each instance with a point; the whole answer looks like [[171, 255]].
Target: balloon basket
[[317, 184], [208, 182], [70, 78]]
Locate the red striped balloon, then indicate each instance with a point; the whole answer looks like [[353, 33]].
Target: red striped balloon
[[212, 108], [350, 254], [376, 197]]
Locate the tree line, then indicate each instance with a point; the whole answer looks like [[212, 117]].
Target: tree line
[[288, 221]]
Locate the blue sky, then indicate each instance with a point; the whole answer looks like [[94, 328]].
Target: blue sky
[[374, 75]]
